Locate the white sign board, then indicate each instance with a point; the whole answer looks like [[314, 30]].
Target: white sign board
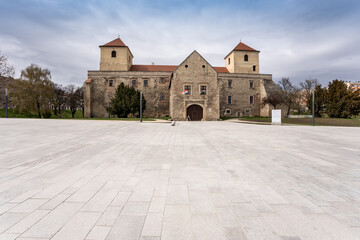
[[276, 117]]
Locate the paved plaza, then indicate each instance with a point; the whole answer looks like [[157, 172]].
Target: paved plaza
[[85, 179]]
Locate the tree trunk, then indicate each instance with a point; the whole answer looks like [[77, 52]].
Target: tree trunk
[[59, 107], [73, 111], [288, 111], [55, 112], [38, 108]]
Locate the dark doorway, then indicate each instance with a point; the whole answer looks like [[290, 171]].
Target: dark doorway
[[194, 113]]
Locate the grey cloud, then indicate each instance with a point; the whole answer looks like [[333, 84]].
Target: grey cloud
[[295, 43]]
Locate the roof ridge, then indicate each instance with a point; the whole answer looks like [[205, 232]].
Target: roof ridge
[[243, 47], [117, 42]]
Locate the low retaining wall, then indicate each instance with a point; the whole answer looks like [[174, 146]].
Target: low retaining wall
[[299, 116]]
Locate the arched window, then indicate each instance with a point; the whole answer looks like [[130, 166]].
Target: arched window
[[246, 58], [162, 97], [113, 54]]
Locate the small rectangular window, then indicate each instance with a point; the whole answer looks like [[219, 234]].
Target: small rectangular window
[[145, 82], [229, 60], [228, 111], [254, 68], [251, 84], [111, 83], [229, 99], [251, 99], [162, 80], [162, 97], [203, 90], [187, 90], [133, 83], [229, 83]]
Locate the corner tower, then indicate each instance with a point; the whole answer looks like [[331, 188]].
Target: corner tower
[[115, 56], [243, 59]]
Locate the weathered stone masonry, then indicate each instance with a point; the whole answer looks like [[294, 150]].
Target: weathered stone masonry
[[213, 92]]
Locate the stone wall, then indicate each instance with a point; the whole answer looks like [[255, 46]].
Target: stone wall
[[215, 103], [122, 61], [101, 92], [195, 71], [240, 92], [239, 65]]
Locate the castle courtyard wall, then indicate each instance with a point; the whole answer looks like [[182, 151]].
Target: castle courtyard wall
[[240, 92], [101, 92]]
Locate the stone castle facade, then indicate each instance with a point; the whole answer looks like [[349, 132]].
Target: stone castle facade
[[193, 90]]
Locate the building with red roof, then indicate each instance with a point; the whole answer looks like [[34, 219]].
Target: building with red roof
[[193, 90]]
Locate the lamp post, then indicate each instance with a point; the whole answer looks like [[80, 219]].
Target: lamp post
[[109, 107], [6, 102], [313, 108], [140, 106]]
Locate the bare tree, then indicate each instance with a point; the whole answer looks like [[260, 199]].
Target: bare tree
[[80, 93], [5, 69], [288, 93], [309, 85], [273, 99], [74, 98], [59, 98], [6, 77]]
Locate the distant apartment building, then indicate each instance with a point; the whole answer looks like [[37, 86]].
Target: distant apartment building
[[353, 85]]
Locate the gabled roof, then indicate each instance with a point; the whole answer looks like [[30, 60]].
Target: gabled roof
[[115, 43], [166, 68], [242, 47], [153, 68], [221, 69]]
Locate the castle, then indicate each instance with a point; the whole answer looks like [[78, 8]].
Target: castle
[[193, 90]]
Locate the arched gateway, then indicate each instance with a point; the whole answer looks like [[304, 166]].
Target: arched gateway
[[194, 113]]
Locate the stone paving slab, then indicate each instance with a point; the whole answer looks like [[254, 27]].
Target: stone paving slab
[[83, 179]]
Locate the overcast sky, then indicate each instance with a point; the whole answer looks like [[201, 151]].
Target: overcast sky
[[297, 38]]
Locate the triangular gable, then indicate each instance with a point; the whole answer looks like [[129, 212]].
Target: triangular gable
[[191, 55]]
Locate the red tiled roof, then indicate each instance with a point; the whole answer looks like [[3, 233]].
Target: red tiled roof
[[89, 80], [166, 68], [243, 47], [153, 68], [115, 43], [221, 69]]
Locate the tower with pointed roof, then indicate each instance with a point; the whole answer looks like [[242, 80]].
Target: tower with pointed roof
[[243, 59], [115, 56]]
